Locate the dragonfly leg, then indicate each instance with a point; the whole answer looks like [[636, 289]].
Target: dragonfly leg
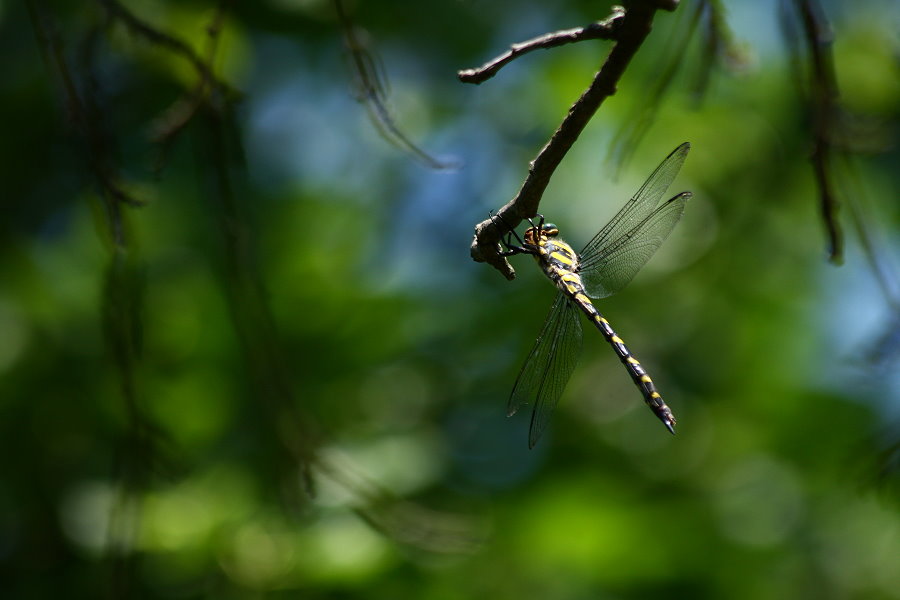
[[540, 224], [511, 248]]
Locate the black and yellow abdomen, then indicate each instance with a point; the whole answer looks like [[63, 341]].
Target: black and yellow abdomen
[[560, 263]]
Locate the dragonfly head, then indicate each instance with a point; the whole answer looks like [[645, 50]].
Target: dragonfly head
[[535, 235]]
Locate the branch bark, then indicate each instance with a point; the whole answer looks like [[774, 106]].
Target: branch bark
[[601, 30]]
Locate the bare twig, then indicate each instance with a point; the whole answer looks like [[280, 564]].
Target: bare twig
[[886, 348], [823, 101], [718, 46], [98, 148], [873, 247], [177, 117], [633, 28], [295, 440], [143, 29], [402, 520], [601, 30], [372, 92], [643, 113]]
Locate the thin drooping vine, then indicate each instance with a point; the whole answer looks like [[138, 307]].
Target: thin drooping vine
[[370, 85], [805, 20]]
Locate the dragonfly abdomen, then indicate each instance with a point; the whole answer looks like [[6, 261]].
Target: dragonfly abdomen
[[638, 374]]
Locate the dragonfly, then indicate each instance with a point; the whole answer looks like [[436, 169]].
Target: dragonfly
[[608, 262]]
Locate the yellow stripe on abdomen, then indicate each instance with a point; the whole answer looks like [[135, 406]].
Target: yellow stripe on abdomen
[[566, 260]]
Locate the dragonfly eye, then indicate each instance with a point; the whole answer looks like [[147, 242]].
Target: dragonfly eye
[[550, 230]]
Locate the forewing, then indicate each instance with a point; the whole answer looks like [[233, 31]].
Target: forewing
[[641, 204], [606, 272], [549, 366]]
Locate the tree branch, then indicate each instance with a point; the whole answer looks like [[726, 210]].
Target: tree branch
[[176, 118], [632, 29], [601, 30], [99, 151], [823, 105], [136, 26]]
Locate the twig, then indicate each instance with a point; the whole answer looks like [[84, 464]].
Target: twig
[[824, 104], [718, 46], [873, 247], [295, 440], [98, 150], [643, 112], [138, 27], [633, 28], [177, 117], [372, 92], [601, 30]]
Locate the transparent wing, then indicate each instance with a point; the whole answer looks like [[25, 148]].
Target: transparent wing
[[640, 206], [548, 367], [610, 268]]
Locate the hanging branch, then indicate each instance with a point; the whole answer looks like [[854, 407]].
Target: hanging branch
[[90, 128], [643, 112], [174, 120], [142, 451], [718, 45], [823, 105], [138, 27], [631, 29], [371, 90]]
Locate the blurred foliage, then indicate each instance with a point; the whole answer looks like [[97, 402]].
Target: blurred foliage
[[244, 352]]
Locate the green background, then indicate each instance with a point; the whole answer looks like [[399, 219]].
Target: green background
[[289, 379]]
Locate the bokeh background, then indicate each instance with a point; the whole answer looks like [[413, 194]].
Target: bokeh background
[[244, 352]]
